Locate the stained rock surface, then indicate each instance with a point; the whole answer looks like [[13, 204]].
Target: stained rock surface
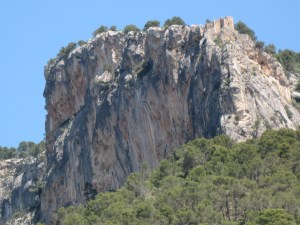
[[21, 182], [124, 100]]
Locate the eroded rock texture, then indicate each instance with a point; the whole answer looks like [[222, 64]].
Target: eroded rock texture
[[21, 181], [124, 100]]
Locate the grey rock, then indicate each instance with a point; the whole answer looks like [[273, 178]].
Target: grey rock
[[166, 87], [19, 194]]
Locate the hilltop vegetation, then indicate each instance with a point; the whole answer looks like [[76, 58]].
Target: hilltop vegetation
[[207, 181], [23, 150], [289, 59]]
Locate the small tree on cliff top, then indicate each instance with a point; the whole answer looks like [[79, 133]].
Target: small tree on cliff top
[[242, 28], [176, 20], [151, 23]]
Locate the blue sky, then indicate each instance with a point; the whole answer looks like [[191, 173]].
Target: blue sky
[[33, 31]]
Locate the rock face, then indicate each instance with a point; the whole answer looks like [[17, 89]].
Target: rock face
[[20, 180], [123, 100]]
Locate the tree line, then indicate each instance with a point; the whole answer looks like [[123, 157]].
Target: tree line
[[207, 181], [24, 149]]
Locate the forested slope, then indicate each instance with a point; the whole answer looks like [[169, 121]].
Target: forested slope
[[207, 181]]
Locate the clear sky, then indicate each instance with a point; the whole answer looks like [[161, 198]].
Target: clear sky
[[32, 31]]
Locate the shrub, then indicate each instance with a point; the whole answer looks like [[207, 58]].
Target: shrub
[[242, 28], [8, 153], [287, 58], [271, 49], [151, 23], [51, 61], [100, 30], [65, 51], [259, 44], [81, 43], [288, 112], [113, 28], [297, 88], [108, 67], [176, 20], [130, 27]]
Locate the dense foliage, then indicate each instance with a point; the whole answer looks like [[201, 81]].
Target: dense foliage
[[289, 59], [151, 23], [131, 27], [24, 149], [214, 181], [175, 20], [242, 28], [100, 30], [65, 51]]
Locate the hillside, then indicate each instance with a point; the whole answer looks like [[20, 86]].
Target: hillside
[[120, 104], [207, 181], [126, 98]]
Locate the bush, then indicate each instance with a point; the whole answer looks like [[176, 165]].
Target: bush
[[288, 112], [151, 23], [287, 58], [108, 67], [259, 44], [81, 43], [242, 28], [8, 153], [65, 51], [176, 20], [113, 28], [24, 149], [130, 27], [271, 49], [100, 30]]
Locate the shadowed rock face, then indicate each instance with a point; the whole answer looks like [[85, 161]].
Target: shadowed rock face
[[124, 100], [20, 180]]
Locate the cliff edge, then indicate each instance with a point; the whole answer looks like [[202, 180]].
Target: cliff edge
[[123, 100]]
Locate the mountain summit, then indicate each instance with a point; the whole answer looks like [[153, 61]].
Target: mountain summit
[[123, 100]]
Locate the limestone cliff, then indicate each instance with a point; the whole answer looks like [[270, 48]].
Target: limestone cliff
[[123, 100]]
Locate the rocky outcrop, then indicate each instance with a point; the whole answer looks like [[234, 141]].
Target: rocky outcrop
[[123, 100], [21, 182]]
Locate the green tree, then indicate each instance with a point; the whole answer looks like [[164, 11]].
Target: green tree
[[209, 181], [81, 42], [151, 23], [242, 28], [176, 20], [287, 58], [275, 217], [65, 51], [271, 49], [260, 44], [100, 30], [130, 27], [113, 28]]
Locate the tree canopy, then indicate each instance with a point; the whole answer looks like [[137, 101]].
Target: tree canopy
[[242, 28], [151, 23], [23, 150], [175, 20], [129, 28], [208, 181]]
